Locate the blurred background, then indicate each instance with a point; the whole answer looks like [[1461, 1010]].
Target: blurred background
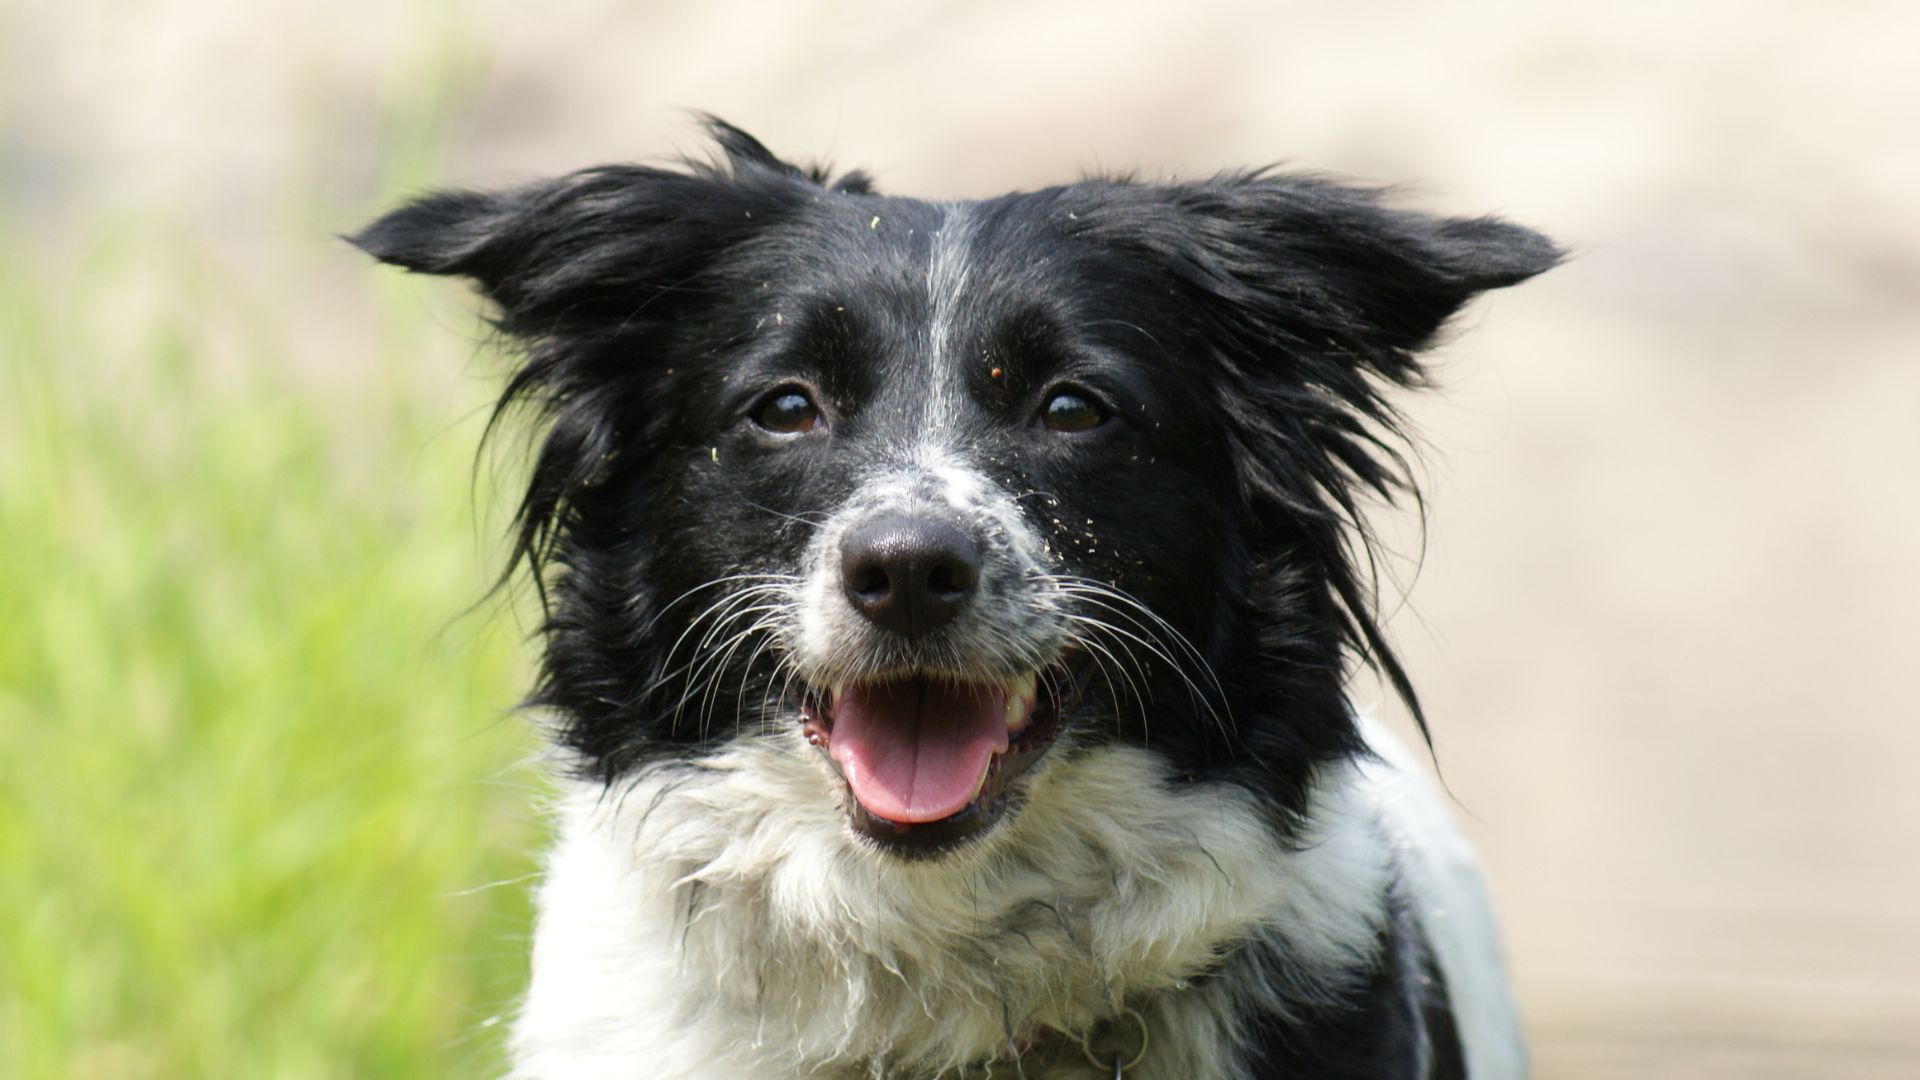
[[264, 810]]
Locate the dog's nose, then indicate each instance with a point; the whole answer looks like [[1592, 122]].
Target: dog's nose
[[910, 575]]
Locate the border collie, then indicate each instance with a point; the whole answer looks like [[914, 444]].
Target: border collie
[[948, 612]]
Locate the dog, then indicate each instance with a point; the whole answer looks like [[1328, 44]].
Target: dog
[[948, 612]]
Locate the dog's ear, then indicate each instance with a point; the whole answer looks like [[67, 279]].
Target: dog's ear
[[557, 254], [1307, 266], [1366, 272]]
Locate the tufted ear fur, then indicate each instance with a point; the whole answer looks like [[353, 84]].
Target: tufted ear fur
[[1298, 264], [1336, 266], [557, 255]]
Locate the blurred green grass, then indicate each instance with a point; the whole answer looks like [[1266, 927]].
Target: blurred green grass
[[263, 811]]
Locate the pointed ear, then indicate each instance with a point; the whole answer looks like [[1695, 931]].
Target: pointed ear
[[563, 252], [1301, 267], [599, 243], [450, 232], [1356, 273], [600, 239]]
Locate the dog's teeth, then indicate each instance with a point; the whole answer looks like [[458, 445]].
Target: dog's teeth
[[1019, 700], [1024, 684]]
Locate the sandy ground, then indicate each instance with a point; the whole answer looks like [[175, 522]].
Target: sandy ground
[[1667, 616]]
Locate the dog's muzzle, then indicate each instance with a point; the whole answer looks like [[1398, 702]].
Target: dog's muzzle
[[928, 742]]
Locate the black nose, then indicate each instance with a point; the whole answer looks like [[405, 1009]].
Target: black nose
[[910, 575]]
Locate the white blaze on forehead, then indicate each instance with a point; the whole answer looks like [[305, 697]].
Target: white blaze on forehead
[[948, 270], [960, 486], [930, 475]]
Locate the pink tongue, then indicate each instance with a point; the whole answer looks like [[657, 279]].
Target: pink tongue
[[914, 750]]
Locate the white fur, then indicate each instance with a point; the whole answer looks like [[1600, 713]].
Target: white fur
[[948, 270], [1449, 899], [721, 921]]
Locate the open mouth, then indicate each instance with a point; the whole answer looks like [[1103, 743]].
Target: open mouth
[[928, 759]]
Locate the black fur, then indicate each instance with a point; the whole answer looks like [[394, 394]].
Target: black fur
[[1244, 328], [1397, 1021]]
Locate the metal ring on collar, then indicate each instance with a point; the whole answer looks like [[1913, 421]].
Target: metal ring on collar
[[1141, 1023]]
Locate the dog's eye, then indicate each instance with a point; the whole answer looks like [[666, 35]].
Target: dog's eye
[[787, 411], [1072, 410]]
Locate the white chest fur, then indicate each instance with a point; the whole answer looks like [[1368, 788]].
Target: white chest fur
[[720, 921]]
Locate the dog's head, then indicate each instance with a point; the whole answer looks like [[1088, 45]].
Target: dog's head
[[955, 491]]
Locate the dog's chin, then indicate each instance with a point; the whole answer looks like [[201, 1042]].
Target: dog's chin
[[930, 761]]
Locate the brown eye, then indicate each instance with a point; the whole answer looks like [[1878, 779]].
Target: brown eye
[[787, 411], [1070, 411]]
